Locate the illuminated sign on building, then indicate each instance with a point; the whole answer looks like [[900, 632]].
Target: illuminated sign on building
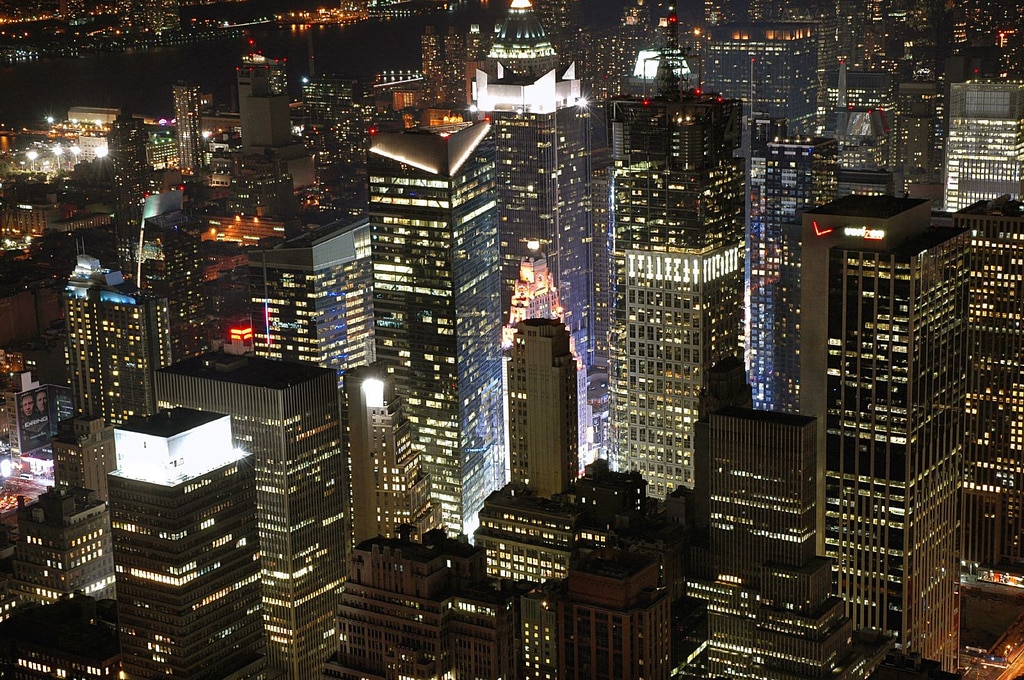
[[864, 233]]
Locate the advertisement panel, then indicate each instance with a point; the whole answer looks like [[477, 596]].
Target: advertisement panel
[[40, 411]]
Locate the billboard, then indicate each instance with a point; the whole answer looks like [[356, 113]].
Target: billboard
[[39, 412]]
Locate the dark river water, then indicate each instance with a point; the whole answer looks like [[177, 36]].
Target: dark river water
[[141, 81]]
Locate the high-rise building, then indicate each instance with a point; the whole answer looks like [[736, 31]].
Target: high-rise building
[[772, 67], [542, 131], [186, 549], [918, 134], [187, 103], [884, 360], [543, 406], [263, 102], [613, 619], [772, 612], [126, 149], [436, 309], [116, 338], [443, 67], [287, 415], [993, 513], [794, 175], [423, 610], [678, 204], [389, 488], [171, 267], [83, 455], [312, 298], [64, 548], [985, 144]]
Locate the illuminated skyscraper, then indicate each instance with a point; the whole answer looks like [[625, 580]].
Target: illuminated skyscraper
[[678, 202], [884, 360], [543, 405], [772, 67], [772, 612], [985, 144], [436, 308], [116, 338], [287, 415], [993, 518], [126, 149], [311, 298], [541, 127], [792, 175], [172, 268], [187, 100], [186, 549], [389, 488]]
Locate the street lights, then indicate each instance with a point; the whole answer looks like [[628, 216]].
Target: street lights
[[74, 152], [32, 155], [58, 152]]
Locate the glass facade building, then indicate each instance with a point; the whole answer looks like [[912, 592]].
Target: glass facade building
[[437, 312]]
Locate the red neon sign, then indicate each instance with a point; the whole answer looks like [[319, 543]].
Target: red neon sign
[[818, 231]]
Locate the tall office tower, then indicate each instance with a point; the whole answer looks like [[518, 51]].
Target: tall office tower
[[600, 215], [772, 67], [614, 619], [564, 22], [126, 148], [338, 119], [985, 144], [918, 135], [431, 63], [116, 338], [541, 127], [64, 548], [678, 200], [859, 115], [543, 406], [187, 103], [772, 612], [528, 537], [993, 515], [538, 633], [389, 488], [186, 550], [312, 298], [263, 102], [287, 416], [798, 174], [83, 455], [171, 267], [883, 352], [423, 610], [436, 308]]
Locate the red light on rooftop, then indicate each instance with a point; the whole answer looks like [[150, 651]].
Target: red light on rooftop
[[673, 19], [698, 91], [373, 130], [647, 102]]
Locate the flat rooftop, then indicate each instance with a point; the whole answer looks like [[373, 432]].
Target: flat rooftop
[[170, 423], [249, 370], [876, 207], [764, 416]]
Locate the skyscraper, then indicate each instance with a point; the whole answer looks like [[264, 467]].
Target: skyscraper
[[83, 455], [287, 417], [985, 144], [772, 611], [389, 487], [126, 148], [187, 101], [171, 267], [436, 308], [883, 352], [116, 338], [263, 102], [772, 67], [993, 515], [794, 175], [541, 126], [678, 201], [312, 298], [543, 406], [186, 549]]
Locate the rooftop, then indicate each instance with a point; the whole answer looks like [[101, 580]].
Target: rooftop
[[765, 416], [249, 370], [435, 544], [169, 423], [880, 207]]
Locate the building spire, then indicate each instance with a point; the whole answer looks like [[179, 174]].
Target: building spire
[[671, 59]]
